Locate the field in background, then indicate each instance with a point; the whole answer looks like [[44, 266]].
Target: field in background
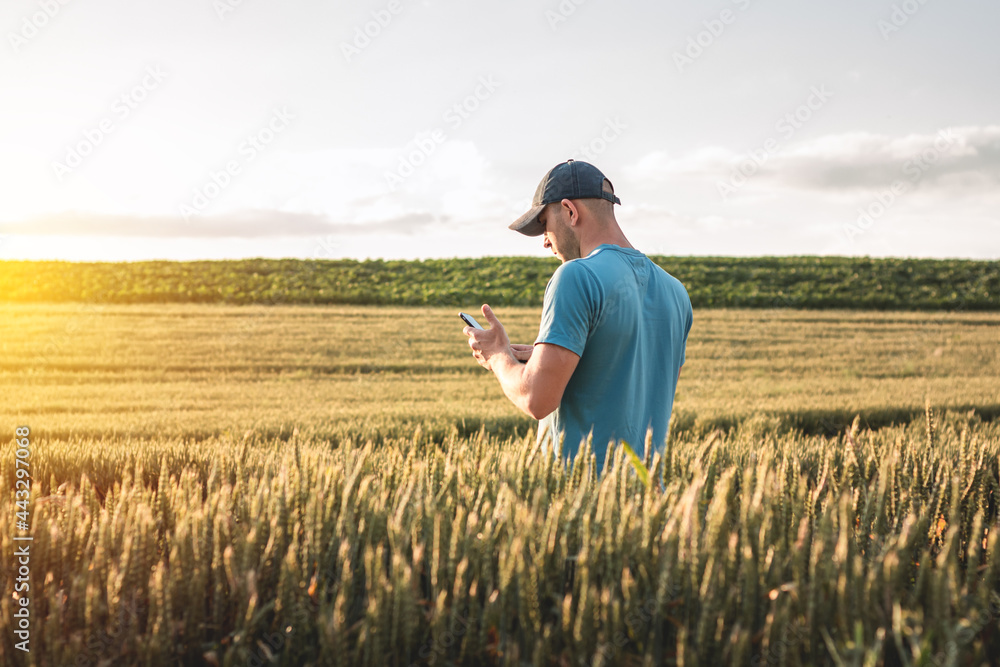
[[198, 370]]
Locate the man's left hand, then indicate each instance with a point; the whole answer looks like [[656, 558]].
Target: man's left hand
[[487, 344]]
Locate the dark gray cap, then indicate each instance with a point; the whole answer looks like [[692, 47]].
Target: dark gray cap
[[568, 180]]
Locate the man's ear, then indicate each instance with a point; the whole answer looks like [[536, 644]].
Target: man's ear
[[571, 210]]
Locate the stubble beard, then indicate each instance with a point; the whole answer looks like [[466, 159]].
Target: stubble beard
[[571, 244]]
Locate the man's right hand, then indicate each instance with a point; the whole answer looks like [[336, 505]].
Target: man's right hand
[[522, 352]]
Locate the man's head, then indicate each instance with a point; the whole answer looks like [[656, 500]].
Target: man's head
[[573, 199], [563, 222]]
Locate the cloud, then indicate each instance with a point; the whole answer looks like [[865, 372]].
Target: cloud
[[408, 223], [652, 218], [659, 167], [241, 224], [953, 159]]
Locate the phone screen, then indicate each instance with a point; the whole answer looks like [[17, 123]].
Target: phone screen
[[469, 320]]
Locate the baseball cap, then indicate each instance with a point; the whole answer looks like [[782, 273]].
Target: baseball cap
[[571, 179]]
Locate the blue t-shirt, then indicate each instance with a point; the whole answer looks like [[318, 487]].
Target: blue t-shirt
[[628, 319]]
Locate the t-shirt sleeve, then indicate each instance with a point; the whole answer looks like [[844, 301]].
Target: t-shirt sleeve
[[570, 307]]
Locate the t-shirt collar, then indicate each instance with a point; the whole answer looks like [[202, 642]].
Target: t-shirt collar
[[612, 246]]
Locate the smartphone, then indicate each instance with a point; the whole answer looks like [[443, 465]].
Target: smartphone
[[470, 321]]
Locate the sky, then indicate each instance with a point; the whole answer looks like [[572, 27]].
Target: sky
[[213, 129]]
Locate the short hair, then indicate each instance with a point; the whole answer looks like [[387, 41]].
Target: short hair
[[601, 207]]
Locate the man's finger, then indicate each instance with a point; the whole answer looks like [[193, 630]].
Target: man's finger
[[490, 317]]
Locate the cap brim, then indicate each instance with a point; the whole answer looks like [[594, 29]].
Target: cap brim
[[528, 224]]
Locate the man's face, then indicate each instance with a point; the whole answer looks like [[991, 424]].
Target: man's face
[[559, 237]]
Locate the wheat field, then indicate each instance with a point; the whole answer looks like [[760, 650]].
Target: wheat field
[[342, 485], [200, 370]]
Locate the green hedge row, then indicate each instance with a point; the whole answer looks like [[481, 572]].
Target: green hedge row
[[713, 282]]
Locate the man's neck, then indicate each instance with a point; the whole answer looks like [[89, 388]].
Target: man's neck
[[588, 246]]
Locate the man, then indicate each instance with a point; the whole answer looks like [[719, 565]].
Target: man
[[614, 325]]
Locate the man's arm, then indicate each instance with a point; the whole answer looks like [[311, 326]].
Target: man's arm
[[535, 387]]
